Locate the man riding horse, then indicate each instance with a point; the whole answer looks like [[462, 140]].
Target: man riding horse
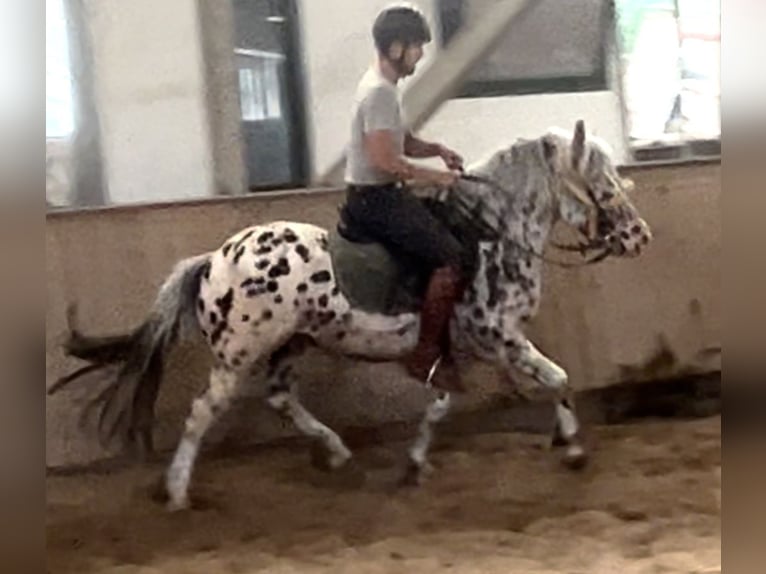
[[377, 199], [273, 289]]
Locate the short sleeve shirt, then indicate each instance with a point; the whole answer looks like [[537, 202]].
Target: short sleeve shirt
[[376, 107]]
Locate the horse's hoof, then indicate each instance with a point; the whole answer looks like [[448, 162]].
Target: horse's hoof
[[412, 477], [327, 462], [575, 458], [415, 474], [158, 491], [175, 506], [319, 458], [338, 460], [558, 440]]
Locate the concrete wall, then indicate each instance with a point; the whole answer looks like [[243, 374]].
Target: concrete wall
[[623, 320], [149, 83]]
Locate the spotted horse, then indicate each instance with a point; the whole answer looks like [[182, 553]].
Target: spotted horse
[[272, 290]]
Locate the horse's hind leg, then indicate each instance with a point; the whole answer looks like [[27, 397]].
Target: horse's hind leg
[[206, 409], [282, 398]]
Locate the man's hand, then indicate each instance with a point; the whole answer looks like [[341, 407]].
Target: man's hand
[[426, 176], [451, 159], [446, 178]]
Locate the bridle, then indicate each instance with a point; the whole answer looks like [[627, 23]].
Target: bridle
[[597, 241]]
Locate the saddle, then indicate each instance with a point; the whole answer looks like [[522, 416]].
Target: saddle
[[375, 280]]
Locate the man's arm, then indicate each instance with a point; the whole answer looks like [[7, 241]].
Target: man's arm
[[418, 148], [380, 150]]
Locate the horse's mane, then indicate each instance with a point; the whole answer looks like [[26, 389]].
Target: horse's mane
[[516, 179], [508, 187]]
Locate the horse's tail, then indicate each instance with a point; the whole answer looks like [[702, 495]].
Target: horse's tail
[[126, 405]]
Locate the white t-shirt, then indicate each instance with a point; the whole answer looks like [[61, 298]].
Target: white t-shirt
[[376, 107]]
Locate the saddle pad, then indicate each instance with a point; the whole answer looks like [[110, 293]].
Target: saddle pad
[[368, 275]]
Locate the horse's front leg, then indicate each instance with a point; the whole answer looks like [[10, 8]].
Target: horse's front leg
[[418, 466], [520, 353]]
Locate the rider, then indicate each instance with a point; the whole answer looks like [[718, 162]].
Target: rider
[[377, 200]]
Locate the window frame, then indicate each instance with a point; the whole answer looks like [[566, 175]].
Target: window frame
[[598, 81]]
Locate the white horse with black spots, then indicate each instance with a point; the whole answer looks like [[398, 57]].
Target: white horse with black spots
[[270, 291]]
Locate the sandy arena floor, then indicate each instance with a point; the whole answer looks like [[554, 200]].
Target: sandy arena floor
[[500, 504]]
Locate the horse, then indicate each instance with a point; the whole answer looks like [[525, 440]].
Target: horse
[[273, 290]]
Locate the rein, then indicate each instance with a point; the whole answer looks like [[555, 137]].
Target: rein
[[582, 248]]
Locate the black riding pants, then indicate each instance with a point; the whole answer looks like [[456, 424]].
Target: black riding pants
[[395, 217]]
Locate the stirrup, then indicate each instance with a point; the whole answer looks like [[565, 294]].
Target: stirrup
[[432, 371]]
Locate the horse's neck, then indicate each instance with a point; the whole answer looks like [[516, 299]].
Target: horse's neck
[[527, 206], [525, 198]]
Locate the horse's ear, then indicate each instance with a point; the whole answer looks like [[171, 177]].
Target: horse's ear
[[578, 143], [549, 150]]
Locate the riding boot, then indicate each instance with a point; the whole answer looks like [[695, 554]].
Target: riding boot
[[443, 292]]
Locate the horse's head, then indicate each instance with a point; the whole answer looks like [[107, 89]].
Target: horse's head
[[592, 195]]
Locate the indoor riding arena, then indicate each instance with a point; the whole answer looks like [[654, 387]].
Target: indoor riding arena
[[227, 388]]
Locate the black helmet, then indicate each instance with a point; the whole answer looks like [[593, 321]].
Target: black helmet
[[405, 24]]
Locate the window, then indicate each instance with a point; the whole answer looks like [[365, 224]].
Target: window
[[59, 110], [553, 46], [259, 91], [267, 59], [670, 62]]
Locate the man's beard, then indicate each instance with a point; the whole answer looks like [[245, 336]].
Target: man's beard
[[402, 68]]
